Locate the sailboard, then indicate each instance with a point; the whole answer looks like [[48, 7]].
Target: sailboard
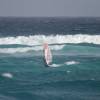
[[47, 54]]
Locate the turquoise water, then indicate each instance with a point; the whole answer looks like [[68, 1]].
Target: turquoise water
[[75, 70], [32, 80]]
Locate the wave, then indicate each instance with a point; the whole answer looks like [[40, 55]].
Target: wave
[[21, 44], [27, 49], [58, 39]]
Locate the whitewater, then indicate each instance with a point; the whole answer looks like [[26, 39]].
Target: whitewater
[[58, 39], [35, 43]]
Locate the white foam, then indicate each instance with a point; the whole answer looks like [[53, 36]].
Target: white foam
[[55, 65], [40, 39], [7, 75], [59, 39], [71, 62], [26, 49]]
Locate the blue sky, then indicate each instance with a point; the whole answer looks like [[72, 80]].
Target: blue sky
[[50, 8]]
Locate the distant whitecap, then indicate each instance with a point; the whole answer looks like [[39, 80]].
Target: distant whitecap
[[7, 75], [71, 62]]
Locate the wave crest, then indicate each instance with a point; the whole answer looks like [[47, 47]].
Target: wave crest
[[58, 39], [27, 49]]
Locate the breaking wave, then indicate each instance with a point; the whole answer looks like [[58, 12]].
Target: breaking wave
[[35, 43], [27, 49], [58, 39]]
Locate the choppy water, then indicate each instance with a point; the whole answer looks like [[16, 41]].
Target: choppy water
[[75, 46]]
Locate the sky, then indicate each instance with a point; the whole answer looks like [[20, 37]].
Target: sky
[[50, 8]]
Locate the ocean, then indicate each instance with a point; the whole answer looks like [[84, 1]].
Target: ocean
[[75, 47]]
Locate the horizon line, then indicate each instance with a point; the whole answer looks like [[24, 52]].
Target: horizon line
[[50, 16]]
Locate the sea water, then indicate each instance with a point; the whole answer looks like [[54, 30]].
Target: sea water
[[75, 70]]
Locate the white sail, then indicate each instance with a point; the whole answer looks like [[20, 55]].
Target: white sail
[[47, 54]]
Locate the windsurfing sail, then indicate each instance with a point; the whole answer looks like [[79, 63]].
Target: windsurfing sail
[[47, 54]]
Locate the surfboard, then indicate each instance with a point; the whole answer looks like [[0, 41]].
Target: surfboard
[[47, 54]]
